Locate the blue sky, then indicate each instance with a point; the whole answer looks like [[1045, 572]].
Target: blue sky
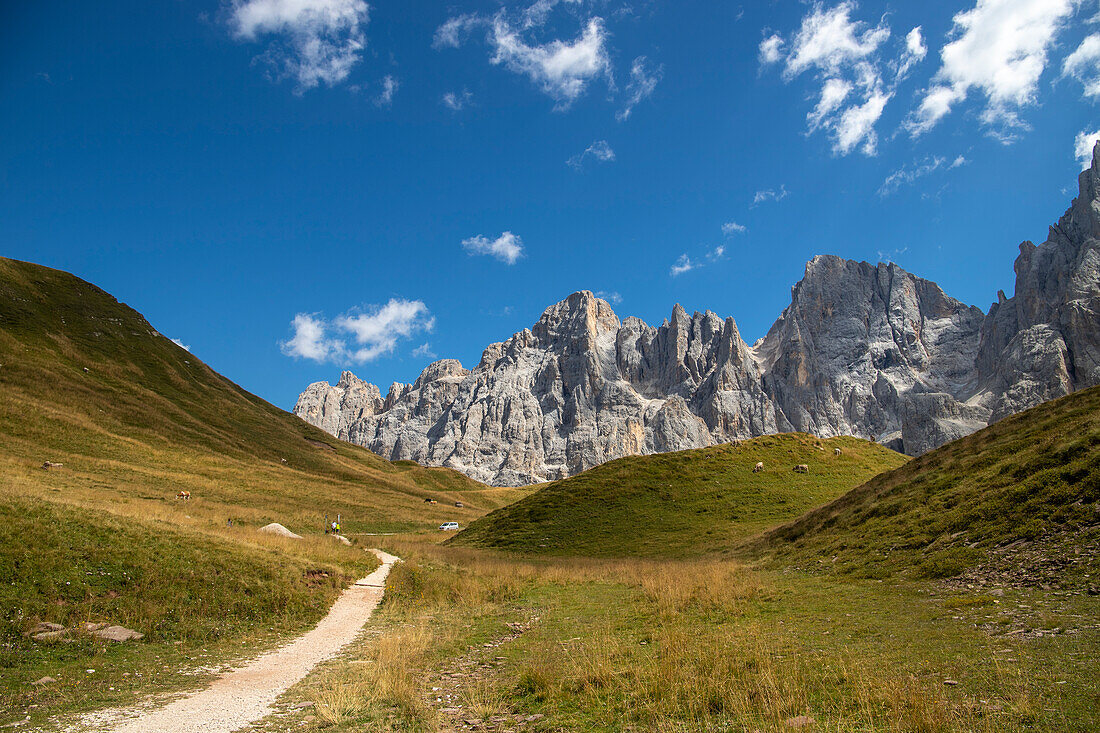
[[293, 187]]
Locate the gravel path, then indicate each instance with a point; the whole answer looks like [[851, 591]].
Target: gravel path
[[247, 693]]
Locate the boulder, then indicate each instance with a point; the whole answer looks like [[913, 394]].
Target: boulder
[[278, 529], [117, 633]]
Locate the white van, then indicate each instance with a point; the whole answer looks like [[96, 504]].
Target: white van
[[448, 526]]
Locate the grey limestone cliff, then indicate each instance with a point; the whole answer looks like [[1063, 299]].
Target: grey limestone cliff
[[865, 350]]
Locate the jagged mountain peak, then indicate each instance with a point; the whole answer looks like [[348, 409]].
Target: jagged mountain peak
[[863, 349]]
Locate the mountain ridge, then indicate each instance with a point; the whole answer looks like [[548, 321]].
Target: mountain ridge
[[863, 349]]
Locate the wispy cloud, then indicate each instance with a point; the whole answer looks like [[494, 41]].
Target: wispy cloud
[[643, 80], [372, 332], [845, 56], [732, 227], [507, 248], [610, 296], [457, 101], [770, 194], [389, 88], [180, 344], [891, 256], [424, 351], [1083, 145], [999, 49], [1084, 65], [453, 32], [312, 41], [907, 175], [683, 264], [599, 151], [561, 69]]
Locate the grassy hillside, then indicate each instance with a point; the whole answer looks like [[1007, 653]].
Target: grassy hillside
[[683, 503], [1018, 502], [87, 382]]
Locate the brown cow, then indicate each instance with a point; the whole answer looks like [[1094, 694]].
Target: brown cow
[[802, 468], [183, 495]]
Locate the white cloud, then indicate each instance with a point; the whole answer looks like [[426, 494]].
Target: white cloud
[[770, 194], [732, 227], [599, 150], [1083, 145], [374, 332], [315, 41], [537, 14], [424, 351], [452, 33], [891, 256], [507, 247], [610, 296], [457, 102], [561, 69], [998, 48], [685, 264], [1084, 65], [857, 124], [642, 83], [844, 55], [833, 94], [180, 344], [771, 50], [914, 53], [309, 340], [830, 41], [907, 175], [389, 88], [682, 265]]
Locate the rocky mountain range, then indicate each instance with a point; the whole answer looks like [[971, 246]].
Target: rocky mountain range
[[865, 350]]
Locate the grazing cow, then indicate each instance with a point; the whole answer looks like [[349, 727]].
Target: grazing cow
[[50, 464], [283, 460], [836, 452], [758, 467], [183, 495], [802, 468], [458, 504]]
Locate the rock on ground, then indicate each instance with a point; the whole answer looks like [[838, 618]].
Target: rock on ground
[[278, 529]]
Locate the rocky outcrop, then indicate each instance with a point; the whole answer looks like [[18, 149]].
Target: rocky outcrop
[[865, 350]]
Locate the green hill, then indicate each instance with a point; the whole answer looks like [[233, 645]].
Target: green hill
[[684, 503], [1015, 503], [87, 382]]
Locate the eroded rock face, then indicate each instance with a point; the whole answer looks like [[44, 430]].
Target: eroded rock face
[[865, 350]]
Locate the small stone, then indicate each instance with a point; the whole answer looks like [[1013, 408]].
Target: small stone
[[118, 633], [44, 681], [951, 682]]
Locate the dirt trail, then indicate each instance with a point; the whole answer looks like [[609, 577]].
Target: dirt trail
[[247, 693]]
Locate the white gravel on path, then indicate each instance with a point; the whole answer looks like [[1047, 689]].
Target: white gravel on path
[[247, 694]]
